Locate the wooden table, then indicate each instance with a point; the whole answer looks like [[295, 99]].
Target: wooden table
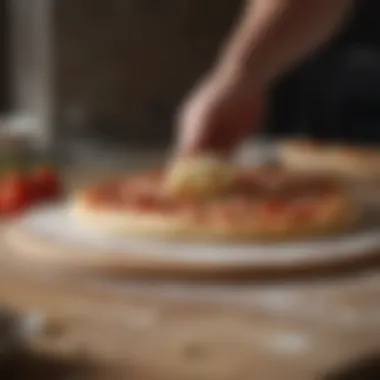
[[296, 329]]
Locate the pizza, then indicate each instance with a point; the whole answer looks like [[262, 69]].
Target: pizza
[[207, 202], [348, 161]]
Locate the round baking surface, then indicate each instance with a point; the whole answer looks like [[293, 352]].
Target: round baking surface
[[52, 235]]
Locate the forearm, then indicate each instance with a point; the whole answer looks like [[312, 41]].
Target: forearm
[[274, 34]]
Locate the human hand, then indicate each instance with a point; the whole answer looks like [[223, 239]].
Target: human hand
[[218, 115]]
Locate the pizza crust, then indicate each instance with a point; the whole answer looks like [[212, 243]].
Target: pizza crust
[[301, 157], [348, 162], [342, 217]]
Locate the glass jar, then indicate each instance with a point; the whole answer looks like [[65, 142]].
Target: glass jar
[[32, 96]]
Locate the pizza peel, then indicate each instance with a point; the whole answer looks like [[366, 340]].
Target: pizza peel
[[51, 236]]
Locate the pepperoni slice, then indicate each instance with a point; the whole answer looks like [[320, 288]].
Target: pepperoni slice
[[303, 211], [272, 211], [246, 184], [145, 202], [198, 213], [273, 206], [234, 210]]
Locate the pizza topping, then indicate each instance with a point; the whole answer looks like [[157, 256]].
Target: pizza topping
[[234, 210], [303, 211], [107, 194], [269, 199], [331, 207], [285, 212], [197, 177], [271, 209], [145, 202]]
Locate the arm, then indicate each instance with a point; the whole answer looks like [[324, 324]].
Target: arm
[[270, 36], [274, 34]]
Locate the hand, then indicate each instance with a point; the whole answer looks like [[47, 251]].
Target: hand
[[218, 116]]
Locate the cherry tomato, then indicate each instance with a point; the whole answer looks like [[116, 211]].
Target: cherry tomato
[[15, 193], [46, 183]]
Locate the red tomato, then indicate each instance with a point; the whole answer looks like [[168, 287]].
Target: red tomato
[[46, 183], [15, 194]]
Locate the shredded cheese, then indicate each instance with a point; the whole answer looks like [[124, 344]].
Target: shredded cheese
[[202, 176]]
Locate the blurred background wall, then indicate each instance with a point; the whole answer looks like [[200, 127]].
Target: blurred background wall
[[124, 65], [335, 93], [121, 67], [4, 61]]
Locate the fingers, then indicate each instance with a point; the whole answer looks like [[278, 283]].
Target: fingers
[[217, 119], [204, 135], [220, 131]]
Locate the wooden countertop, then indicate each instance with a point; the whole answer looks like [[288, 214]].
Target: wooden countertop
[[290, 329]]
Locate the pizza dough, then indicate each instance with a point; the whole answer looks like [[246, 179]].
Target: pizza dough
[[257, 204], [349, 162]]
